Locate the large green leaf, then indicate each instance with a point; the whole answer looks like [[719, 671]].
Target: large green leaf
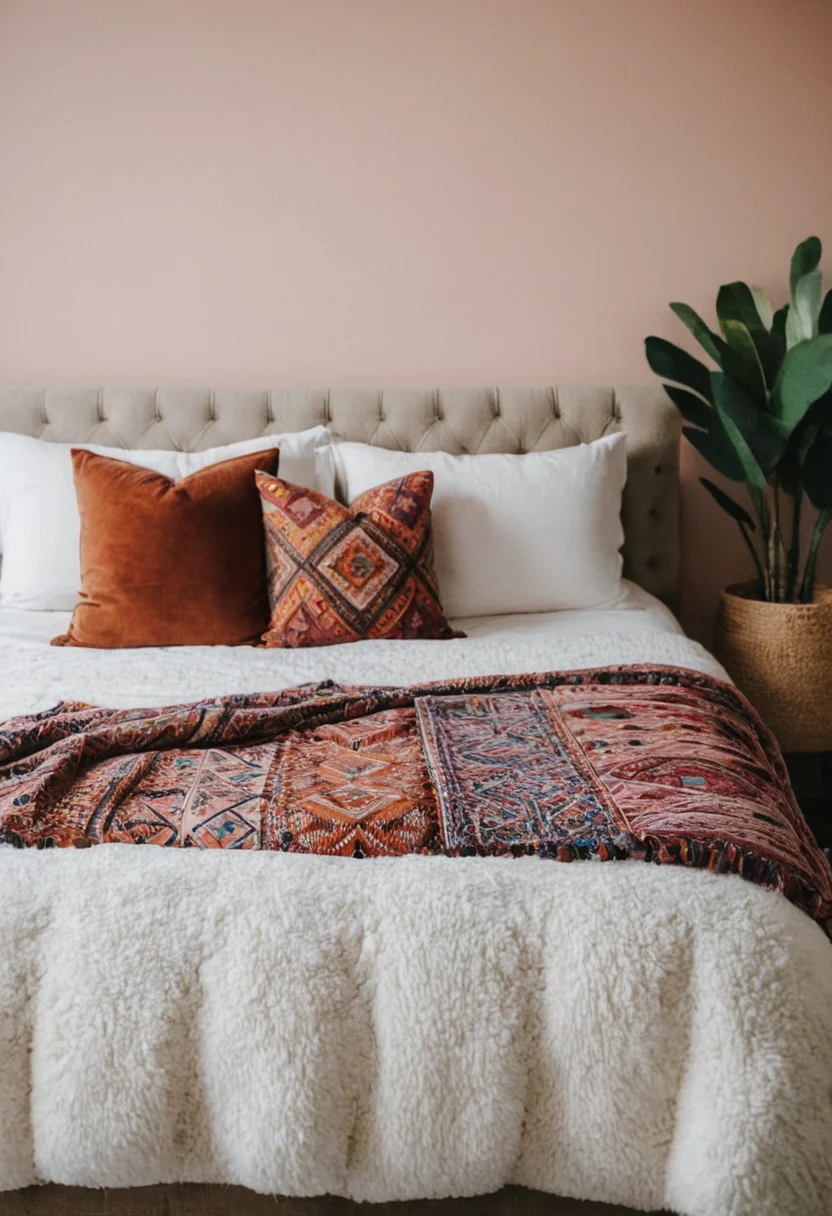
[[821, 412], [729, 504], [758, 446], [805, 293], [818, 416], [805, 376], [817, 470], [672, 363], [776, 345], [710, 342], [717, 449], [741, 361], [778, 326], [693, 409], [738, 304], [735, 302], [825, 317], [763, 305], [805, 259]]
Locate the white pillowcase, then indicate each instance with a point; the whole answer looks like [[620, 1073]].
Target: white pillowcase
[[531, 533], [39, 522]]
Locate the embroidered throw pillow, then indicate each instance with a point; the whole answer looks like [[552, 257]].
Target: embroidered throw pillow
[[169, 563], [340, 574]]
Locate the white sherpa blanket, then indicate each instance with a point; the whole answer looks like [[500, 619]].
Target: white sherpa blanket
[[419, 1027], [645, 1035]]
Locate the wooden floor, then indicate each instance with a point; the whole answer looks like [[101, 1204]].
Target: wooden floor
[[188, 1200]]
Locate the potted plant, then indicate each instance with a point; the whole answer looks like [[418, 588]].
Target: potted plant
[[763, 416]]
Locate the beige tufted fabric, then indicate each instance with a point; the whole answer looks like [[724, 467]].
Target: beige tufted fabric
[[412, 419]]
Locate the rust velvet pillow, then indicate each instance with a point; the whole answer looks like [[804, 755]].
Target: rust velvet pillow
[[169, 563], [339, 574]]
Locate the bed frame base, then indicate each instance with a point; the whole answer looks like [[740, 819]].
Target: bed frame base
[[188, 1199]]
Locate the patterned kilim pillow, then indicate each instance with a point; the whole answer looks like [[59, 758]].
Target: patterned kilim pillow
[[339, 574]]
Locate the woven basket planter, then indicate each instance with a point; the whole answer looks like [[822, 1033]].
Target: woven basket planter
[[780, 656]]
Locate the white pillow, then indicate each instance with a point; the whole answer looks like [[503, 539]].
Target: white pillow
[[530, 533], [39, 522]]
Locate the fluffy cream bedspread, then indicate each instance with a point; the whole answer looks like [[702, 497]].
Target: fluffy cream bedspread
[[420, 1027]]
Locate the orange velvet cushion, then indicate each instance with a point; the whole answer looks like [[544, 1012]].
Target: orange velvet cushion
[[338, 574], [169, 563]]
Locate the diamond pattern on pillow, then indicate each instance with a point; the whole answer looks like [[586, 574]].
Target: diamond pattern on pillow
[[340, 574]]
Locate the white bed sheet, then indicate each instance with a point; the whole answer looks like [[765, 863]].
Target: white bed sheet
[[35, 675]]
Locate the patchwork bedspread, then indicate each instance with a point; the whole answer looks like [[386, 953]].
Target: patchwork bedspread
[[657, 763]]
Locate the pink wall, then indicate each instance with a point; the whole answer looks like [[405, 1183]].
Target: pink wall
[[342, 191]]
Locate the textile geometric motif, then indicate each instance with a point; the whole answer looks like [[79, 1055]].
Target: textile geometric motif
[[691, 773], [510, 779], [358, 788], [338, 574], [657, 763], [193, 799]]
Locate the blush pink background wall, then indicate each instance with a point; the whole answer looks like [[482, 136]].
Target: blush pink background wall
[[388, 191]]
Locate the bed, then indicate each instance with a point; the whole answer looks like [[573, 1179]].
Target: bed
[[417, 1028]]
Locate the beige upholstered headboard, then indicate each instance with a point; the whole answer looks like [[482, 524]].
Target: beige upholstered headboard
[[412, 419]]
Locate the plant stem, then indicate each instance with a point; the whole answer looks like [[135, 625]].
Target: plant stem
[[761, 507], [758, 565], [808, 584], [794, 547], [779, 549]]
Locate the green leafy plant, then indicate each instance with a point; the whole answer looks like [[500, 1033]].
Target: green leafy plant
[[763, 416]]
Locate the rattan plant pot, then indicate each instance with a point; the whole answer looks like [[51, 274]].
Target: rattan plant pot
[[780, 656]]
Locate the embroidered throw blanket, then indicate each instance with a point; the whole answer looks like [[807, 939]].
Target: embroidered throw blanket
[[658, 763]]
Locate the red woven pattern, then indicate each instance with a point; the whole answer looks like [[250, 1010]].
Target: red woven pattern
[[355, 789], [643, 762], [338, 574]]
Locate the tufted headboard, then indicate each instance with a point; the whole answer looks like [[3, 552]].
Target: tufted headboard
[[412, 419]]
